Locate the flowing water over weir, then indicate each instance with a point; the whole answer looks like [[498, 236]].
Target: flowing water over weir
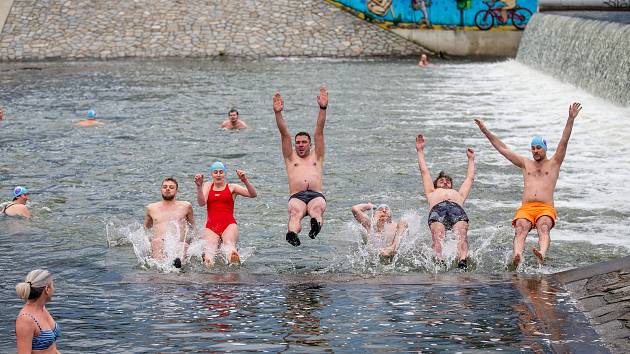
[[590, 54], [90, 187]]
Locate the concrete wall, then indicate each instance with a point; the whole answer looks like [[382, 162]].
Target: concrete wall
[[67, 29], [465, 43]]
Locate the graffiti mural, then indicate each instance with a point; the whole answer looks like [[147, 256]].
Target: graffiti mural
[[482, 14]]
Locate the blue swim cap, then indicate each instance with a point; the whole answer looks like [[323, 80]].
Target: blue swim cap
[[19, 190], [217, 166], [538, 140], [91, 114]]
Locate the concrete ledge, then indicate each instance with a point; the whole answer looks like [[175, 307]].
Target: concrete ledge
[[572, 275], [5, 8], [465, 43]]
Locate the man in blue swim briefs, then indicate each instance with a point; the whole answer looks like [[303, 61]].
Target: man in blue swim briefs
[[445, 204], [304, 170]]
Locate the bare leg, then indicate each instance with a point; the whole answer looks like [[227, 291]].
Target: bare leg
[[210, 247], [461, 230], [504, 15], [315, 209], [230, 239], [544, 224], [437, 233], [157, 248], [297, 210], [521, 229]]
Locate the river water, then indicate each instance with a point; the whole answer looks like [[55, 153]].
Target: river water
[[90, 185]]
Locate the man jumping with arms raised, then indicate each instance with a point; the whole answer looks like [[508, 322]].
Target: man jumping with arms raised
[[304, 170], [446, 210], [539, 176]]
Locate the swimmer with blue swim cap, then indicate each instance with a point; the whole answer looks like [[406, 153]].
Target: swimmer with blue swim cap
[[17, 207], [221, 229], [218, 166], [540, 176], [91, 119]]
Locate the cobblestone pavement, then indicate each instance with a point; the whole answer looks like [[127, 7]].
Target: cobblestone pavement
[[68, 29]]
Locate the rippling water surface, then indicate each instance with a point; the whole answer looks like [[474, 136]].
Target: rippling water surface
[[90, 185]]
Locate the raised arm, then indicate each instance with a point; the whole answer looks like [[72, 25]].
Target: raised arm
[[561, 151], [466, 186], [285, 137], [359, 214], [322, 101], [148, 220], [427, 183], [249, 191], [202, 194], [513, 157]]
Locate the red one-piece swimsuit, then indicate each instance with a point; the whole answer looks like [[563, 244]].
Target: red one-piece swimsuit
[[220, 210]]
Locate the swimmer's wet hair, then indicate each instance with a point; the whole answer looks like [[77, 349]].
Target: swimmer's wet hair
[[305, 134], [171, 179], [442, 175], [33, 286], [233, 110]]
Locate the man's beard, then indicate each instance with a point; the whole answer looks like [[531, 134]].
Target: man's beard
[[164, 197]]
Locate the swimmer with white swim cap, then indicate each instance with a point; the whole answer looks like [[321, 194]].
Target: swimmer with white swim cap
[[540, 175], [380, 228]]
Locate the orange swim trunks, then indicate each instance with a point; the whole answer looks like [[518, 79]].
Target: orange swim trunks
[[532, 211]]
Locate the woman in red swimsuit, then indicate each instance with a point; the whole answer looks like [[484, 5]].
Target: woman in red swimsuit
[[221, 227]]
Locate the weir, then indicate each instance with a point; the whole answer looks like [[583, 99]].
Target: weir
[[587, 53]]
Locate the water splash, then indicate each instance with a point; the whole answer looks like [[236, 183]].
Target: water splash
[[121, 234]]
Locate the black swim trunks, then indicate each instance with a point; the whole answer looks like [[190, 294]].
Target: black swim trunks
[[447, 213], [307, 195]]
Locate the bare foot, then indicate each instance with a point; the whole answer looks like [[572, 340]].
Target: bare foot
[[235, 258], [515, 262], [539, 256], [208, 261]]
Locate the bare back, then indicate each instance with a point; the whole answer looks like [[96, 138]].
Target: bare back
[[304, 172], [540, 180]]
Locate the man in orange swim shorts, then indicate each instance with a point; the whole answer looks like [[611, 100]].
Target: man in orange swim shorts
[[540, 176]]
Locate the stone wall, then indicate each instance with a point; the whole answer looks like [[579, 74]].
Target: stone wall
[[68, 29], [603, 294]]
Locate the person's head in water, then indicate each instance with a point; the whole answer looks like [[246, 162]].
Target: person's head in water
[[383, 213], [218, 171], [443, 181], [539, 148], [302, 144], [233, 116], [20, 194], [91, 115], [169, 188], [424, 61], [38, 283]]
